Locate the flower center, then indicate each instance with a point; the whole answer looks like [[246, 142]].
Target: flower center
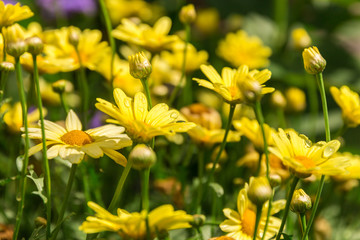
[[248, 222], [77, 138], [305, 161]]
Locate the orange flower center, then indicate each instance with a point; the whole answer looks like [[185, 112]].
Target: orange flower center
[[233, 91], [248, 222], [77, 138], [305, 161]]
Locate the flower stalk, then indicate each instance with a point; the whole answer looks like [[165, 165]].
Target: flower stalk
[[258, 216]]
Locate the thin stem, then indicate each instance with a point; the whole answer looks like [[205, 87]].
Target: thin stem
[[147, 92], [259, 165], [281, 19], [287, 206], [45, 159], [303, 223], [320, 81], [145, 197], [199, 233], [4, 76], [200, 176], [260, 119], [20, 84], [183, 67], [108, 26], [64, 103], [258, 216], [268, 214], [120, 186], [65, 201], [84, 88]]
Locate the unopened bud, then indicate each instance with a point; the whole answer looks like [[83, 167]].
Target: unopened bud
[[140, 66], [259, 190], [35, 45], [301, 202], [7, 67], [187, 14], [251, 89], [275, 180], [59, 86], [314, 63], [198, 221], [278, 99], [142, 156], [74, 36], [16, 49]]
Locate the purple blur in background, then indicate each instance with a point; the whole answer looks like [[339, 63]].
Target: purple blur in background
[[52, 8]]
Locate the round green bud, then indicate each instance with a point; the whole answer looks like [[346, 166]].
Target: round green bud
[[16, 49], [275, 180], [142, 156], [301, 202], [7, 67], [59, 86], [74, 36], [139, 66], [198, 221], [35, 45], [259, 191]]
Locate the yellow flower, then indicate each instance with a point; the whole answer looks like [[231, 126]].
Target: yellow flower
[[208, 129], [252, 130], [163, 73], [314, 63], [194, 58], [71, 143], [238, 49], [298, 153], [240, 224], [296, 99], [300, 38], [207, 20], [141, 124], [12, 116], [133, 225], [153, 39], [229, 84], [353, 171], [349, 103], [91, 49], [187, 14], [9, 14]]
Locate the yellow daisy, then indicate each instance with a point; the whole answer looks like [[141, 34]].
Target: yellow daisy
[[240, 224], [71, 143], [133, 225], [9, 14], [141, 124], [252, 130], [228, 85], [239, 49], [349, 103], [298, 153], [12, 116], [353, 171], [153, 39]]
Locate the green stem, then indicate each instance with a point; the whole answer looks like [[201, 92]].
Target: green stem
[[20, 84], [4, 76], [64, 103], [200, 176], [259, 164], [260, 119], [84, 88], [303, 223], [45, 159], [258, 216], [183, 68], [65, 201], [145, 84], [108, 26], [145, 197], [268, 214], [287, 206], [199, 233], [320, 81], [281, 19], [120, 186]]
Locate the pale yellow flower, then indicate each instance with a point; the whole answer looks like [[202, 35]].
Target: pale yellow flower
[[12, 116], [298, 153], [154, 38], [71, 143], [229, 84], [353, 171], [295, 99], [300, 38], [133, 225], [9, 14], [140, 123], [349, 103], [252, 131], [239, 49], [240, 224], [193, 60]]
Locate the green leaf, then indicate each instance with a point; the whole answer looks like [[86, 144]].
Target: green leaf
[[39, 233], [39, 183], [219, 190]]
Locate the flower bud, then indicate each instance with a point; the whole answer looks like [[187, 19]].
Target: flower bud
[[7, 67], [14, 33], [278, 100], [142, 156], [198, 221], [187, 14], [140, 66], [275, 180], [35, 45], [301, 202], [74, 36], [251, 89], [16, 49], [259, 190], [59, 86], [314, 63]]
